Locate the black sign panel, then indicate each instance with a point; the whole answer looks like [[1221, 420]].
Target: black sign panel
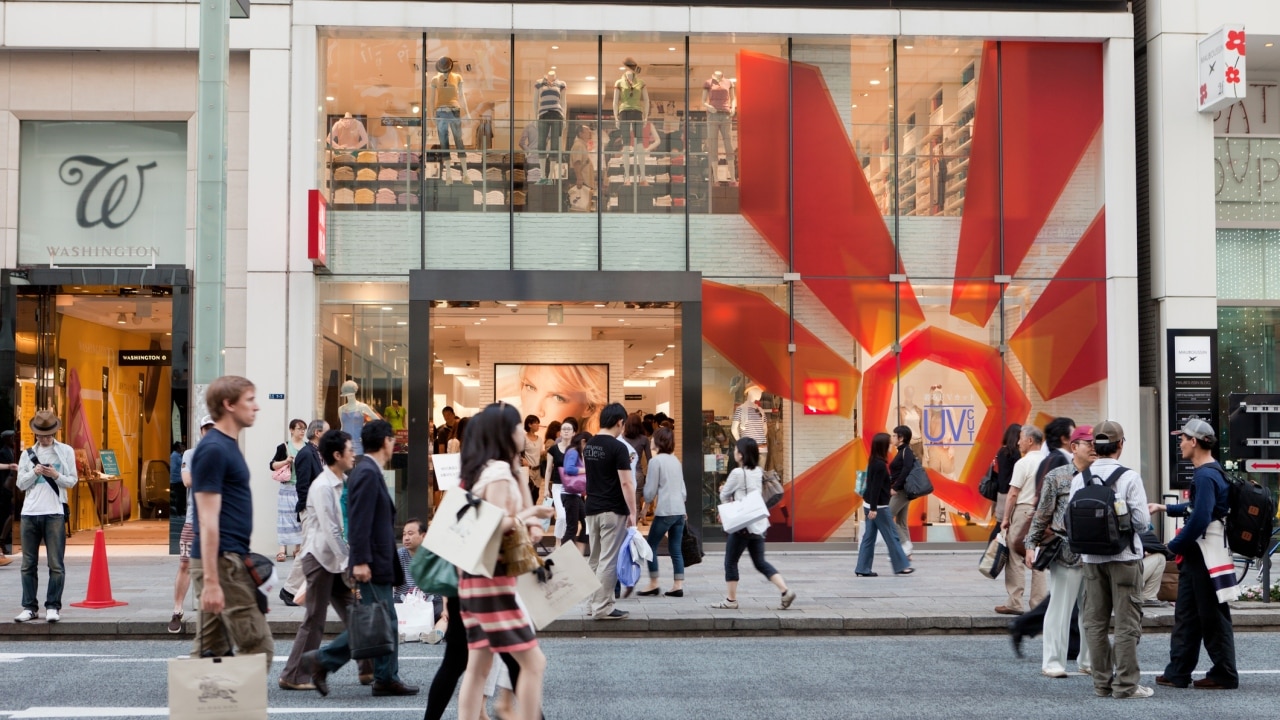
[[1193, 392], [135, 358]]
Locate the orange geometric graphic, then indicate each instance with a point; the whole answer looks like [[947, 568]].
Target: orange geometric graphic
[[1062, 342]]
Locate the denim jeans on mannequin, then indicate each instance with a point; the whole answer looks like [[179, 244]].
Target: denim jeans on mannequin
[[449, 119], [50, 530], [719, 126]]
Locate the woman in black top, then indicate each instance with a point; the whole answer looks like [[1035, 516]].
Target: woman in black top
[[1006, 458], [879, 519], [903, 463]]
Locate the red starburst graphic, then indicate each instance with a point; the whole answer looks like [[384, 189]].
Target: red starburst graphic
[[1235, 40]]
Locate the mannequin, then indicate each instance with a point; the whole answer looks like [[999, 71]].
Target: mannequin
[[910, 414], [548, 99], [353, 414], [447, 103], [348, 133], [748, 418], [720, 99], [631, 110]]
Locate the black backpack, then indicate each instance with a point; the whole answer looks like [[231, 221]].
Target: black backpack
[[1250, 509], [1093, 525]]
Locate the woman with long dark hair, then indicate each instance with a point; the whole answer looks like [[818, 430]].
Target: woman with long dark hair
[[575, 505], [1006, 457], [875, 503], [487, 607], [746, 478]]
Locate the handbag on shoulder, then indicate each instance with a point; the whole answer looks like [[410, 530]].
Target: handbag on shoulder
[[518, 556]]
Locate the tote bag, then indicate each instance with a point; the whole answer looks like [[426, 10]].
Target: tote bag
[[739, 514], [465, 532], [565, 580]]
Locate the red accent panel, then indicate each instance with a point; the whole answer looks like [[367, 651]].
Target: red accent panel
[[986, 373], [763, 153], [1063, 340], [752, 333], [838, 227], [1050, 108], [824, 494]]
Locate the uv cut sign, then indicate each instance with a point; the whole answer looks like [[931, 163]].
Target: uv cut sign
[[949, 424], [103, 194]]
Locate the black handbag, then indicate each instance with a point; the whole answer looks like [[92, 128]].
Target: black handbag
[[917, 484], [691, 549], [1049, 550], [371, 629]]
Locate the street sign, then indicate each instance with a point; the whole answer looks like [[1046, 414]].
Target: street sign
[[1262, 466]]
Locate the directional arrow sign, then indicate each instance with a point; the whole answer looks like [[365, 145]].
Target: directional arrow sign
[[1262, 466]]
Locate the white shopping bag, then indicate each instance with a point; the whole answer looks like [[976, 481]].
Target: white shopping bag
[[416, 615], [571, 581], [223, 688], [739, 514], [465, 532]]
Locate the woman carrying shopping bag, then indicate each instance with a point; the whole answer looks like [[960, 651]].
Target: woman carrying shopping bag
[[747, 478], [664, 489], [288, 528], [494, 620], [879, 518]]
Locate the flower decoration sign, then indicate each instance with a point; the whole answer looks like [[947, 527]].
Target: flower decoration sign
[[1222, 64]]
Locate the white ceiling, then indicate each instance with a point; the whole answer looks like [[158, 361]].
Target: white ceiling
[[144, 315]]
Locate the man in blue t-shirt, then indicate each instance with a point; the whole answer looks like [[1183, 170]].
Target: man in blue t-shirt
[[223, 522], [1198, 616]]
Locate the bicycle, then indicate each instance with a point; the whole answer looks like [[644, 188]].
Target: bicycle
[[1244, 564]]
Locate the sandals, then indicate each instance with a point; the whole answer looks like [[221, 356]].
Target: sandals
[[280, 557], [908, 571]]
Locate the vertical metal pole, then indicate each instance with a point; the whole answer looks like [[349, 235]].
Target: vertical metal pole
[[211, 190]]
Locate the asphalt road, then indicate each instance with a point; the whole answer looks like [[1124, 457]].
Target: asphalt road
[[732, 678]]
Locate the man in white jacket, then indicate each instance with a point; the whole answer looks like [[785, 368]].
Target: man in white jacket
[[324, 559], [45, 473]]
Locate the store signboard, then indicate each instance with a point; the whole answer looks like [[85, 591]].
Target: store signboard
[[821, 397], [1222, 62], [1193, 391], [139, 358], [317, 229], [102, 194]]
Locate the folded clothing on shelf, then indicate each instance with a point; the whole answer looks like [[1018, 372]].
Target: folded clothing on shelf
[[411, 157], [344, 158], [493, 197], [364, 196], [407, 175], [344, 196], [406, 198], [534, 175], [662, 201], [493, 174], [368, 156], [517, 175], [474, 158], [344, 173], [387, 173], [386, 196], [518, 198], [389, 157], [474, 175], [367, 174]]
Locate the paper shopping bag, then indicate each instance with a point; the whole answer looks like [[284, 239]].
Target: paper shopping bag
[[220, 688], [465, 532], [994, 559], [739, 514], [569, 582], [416, 616]]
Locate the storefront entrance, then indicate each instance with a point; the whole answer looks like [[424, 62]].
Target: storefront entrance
[[554, 325], [98, 347]]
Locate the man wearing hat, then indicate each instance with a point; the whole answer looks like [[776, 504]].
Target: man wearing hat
[[45, 473], [1111, 582], [1198, 616]]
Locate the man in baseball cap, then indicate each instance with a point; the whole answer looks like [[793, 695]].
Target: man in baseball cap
[[1198, 616], [46, 471], [183, 581]]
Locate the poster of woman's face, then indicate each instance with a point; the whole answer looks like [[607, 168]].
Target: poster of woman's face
[[554, 392]]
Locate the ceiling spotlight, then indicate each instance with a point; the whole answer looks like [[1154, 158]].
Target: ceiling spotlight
[[671, 346], [555, 314], [659, 354], [387, 307], [555, 47], [329, 98], [600, 305], [908, 47], [438, 327], [120, 319], [402, 322], [875, 82], [671, 49], [416, 109], [648, 362]]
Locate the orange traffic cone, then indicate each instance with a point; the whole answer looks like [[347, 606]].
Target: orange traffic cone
[[99, 595]]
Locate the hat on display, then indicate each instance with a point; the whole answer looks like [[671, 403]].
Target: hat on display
[[631, 65], [349, 388], [206, 421], [45, 422], [1107, 432], [444, 64], [1197, 429], [1083, 432]]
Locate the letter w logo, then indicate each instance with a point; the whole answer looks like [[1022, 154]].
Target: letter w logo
[[109, 198]]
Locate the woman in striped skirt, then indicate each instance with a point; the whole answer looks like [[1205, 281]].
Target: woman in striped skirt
[[494, 620]]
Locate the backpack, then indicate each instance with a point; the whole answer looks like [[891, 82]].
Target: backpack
[[1250, 509], [1093, 525]]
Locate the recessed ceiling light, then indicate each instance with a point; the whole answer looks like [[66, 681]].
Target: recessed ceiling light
[[168, 333], [120, 319], [659, 354], [555, 47], [908, 47], [387, 307], [646, 362], [865, 94], [1270, 44], [483, 319], [671, 346], [639, 367], [402, 322], [875, 82], [553, 324], [591, 77], [671, 49], [438, 327], [621, 320], [855, 106], [886, 68], [511, 305], [476, 322], [329, 98], [600, 305]]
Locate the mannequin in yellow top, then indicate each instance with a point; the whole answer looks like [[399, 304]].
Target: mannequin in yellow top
[[631, 111], [447, 103]]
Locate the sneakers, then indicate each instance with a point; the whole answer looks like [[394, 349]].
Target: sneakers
[[52, 616], [616, 614], [432, 638], [1139, 692], [726, 604], [1056, 672], [788, 597], [175, 623], [26, 616]]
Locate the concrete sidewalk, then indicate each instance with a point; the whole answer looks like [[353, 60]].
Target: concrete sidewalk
[[945, 595]]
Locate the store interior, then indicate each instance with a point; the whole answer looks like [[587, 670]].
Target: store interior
[[115, 407]]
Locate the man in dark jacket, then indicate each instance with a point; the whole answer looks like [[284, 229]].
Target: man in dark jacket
[[307, 466], [371, 517]]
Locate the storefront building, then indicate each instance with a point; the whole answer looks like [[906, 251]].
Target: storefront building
[[806, 226], [97, 147]]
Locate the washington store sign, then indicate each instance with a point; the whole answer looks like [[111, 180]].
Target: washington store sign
[[102, 194]]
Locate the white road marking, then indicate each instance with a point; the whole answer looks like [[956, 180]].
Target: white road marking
[[89, 712], [19, 657]]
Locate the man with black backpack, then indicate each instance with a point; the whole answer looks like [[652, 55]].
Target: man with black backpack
[[1198, 614], [1107, 505]]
